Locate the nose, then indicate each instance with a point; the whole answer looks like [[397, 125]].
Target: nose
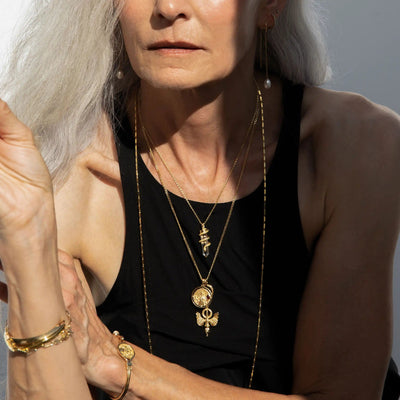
[[172, 9]]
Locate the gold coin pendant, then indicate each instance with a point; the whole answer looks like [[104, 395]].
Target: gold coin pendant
[[202, 296]]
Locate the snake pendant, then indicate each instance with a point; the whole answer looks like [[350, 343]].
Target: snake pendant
[[204, 241]]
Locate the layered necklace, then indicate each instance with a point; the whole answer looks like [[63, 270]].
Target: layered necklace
[[202, 295]]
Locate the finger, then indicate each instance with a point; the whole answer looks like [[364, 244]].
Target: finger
[[84, 284], [69, 285], [11, 128], [65, 258], [73, 279], [3, 292], [69, 277], [74, 294]]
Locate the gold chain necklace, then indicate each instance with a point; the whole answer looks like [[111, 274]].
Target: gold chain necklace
[[204, 241], [263, 235], [202, 295]]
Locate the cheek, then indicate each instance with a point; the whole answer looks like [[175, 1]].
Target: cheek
[[233, 22], [130, 18]]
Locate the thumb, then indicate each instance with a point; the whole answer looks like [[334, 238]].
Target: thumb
[[11, 128]]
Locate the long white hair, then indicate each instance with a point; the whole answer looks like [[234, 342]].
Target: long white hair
[[61, 74]]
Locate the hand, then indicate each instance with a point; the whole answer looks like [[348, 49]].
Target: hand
[[95, 344], [25, 183]]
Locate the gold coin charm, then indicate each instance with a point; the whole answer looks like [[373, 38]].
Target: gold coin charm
[[126, 351], [202, 295]]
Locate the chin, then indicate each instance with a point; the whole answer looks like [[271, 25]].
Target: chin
[[174, 79]]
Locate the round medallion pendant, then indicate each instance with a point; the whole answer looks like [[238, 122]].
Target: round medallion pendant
[[202, 296]]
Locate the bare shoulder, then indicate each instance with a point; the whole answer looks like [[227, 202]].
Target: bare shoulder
[[349, 158], [343, 118], [101, 156], [351, 135]]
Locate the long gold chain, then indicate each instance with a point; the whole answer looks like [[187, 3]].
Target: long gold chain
[[146, 304], [204, 231], [264, 228], [263, 235]]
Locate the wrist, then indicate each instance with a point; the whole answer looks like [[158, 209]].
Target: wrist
[[30, 263], [30, 244], [115, 377], [34, 290], [127, 353], [35, 225], [109, 373], [28, 223]]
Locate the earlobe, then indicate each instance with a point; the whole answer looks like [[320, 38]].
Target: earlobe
[[269, 13]]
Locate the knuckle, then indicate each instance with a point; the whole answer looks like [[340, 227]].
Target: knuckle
[[11, 124], [4, 108]]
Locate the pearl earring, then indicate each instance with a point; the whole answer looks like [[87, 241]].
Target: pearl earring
[[267, 82]]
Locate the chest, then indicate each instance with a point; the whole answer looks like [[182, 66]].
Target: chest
[[91, 214]]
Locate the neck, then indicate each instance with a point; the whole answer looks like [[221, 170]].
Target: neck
[[208, 119], [199, 133]]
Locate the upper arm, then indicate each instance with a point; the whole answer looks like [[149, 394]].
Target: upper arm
[[90, 220], [343, 339]]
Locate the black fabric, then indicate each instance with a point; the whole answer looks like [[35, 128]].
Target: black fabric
[[226, 355], [392, 383]]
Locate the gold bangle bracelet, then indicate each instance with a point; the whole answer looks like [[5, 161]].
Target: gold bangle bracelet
[[38, 340], [127, 353], [60, 333]]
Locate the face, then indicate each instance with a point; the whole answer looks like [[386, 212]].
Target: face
[[183, 44]]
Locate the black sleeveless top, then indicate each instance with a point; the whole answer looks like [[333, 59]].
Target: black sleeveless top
[[226, 354]]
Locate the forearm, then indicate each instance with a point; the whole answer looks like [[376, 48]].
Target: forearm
[[36, 306], [154, 379]]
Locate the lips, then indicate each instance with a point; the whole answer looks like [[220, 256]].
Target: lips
[[173, 45]]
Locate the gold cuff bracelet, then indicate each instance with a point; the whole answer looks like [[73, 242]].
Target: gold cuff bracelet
[[126, 351]]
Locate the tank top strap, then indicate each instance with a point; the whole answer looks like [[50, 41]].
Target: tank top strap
[[282, 182], [286, 153]]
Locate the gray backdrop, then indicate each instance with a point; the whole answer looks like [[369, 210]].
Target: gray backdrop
[[364, 42]]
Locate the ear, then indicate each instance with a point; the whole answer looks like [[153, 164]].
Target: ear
[[269, 11]]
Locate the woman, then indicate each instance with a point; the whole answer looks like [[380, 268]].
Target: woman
[[234, 223]]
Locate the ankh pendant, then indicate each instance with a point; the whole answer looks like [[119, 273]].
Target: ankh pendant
[[204, 241], [207, 319]]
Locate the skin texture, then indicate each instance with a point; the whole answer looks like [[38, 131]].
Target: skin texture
[[349, 203], [199, 24]]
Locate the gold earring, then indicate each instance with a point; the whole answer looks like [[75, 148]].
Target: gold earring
[[267, 82]]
